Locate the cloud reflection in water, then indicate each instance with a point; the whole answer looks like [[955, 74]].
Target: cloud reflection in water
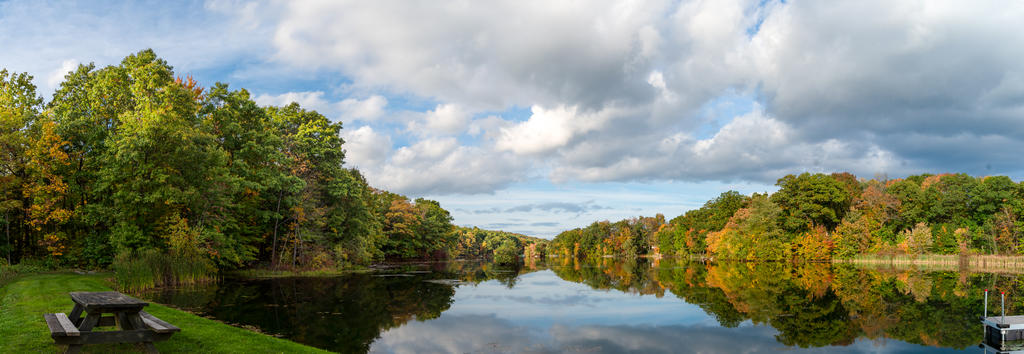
[[490, 334], [543, 314]]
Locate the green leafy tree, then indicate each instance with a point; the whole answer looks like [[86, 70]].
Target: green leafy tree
[[356, 230], [752, 233], [808, 200], [913, 205], [507, 253], [161, 165], [87, 107], [435, 227]]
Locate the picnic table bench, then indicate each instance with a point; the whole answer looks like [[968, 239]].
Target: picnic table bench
[[134, 324]]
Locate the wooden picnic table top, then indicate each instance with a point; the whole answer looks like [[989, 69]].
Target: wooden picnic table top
[[111, 300]]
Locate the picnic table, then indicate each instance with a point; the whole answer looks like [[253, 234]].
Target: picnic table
[[134, 325]]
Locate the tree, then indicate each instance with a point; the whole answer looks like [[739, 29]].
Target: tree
[[808, 200], [814, 245], [954, 196], [45, 188], [258, 185], [862, 228], [435, 226], [689, 231], [1007, 231], [856, 234], [916, 241], [87, 108], [507, 253], [667, 236], [161, 166], [752, 233], [400, 224], [19, 110], [131, 157], [357, 231]]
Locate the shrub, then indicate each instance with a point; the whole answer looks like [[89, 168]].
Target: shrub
[[322, 260]]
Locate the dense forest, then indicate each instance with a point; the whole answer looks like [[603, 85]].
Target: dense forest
[[500, 246], [130, 158], [819, 216]]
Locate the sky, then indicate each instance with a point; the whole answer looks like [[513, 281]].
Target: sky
[[541, 116]]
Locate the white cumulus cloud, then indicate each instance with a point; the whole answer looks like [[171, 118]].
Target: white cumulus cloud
[[368, 109]]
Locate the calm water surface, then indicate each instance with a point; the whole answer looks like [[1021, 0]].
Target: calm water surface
[[613, 307]]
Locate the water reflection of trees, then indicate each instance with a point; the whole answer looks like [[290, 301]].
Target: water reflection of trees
[[629, 275], [814, 305], [339, 315], [478, 272], [346, 313], [810, 305]]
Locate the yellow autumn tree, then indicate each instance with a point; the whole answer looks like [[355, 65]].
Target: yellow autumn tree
[[815, 244], [917, 240], [46, 189]]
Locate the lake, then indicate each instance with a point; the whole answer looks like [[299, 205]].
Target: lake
[[613, 306]]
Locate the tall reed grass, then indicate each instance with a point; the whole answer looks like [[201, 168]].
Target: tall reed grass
[[141, 270], [941, 261]]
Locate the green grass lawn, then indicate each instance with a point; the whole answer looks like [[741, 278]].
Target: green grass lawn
[[24, 300]]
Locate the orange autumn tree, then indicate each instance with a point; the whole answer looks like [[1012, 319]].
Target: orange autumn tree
[[814, 245]]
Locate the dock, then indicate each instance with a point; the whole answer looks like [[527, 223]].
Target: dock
[[1003, 334], [1003, 329]]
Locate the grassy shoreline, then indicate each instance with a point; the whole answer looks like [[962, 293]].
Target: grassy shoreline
[[973, 263], [24, 300]]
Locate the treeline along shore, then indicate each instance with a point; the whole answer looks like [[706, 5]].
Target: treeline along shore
[[821, 217], [134, 167]]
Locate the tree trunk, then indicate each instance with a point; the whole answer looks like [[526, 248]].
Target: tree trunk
[[7, 238], [295, 253], [277, 222], [995, 248]]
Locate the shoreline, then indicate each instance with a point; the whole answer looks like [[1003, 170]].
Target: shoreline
[[25, 297], [970, 263], [973, 263]]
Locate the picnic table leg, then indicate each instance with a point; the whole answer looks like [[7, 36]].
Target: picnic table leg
[[149, 348], [88, 323], [135, 320], [122, 321], [76, 315]]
